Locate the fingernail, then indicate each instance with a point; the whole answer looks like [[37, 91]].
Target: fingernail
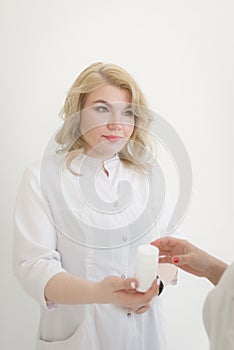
[[175, 260], [133, 285], [158, 281]]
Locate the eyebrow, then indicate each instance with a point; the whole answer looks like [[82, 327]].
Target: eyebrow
[[102, 101], [108, 104]]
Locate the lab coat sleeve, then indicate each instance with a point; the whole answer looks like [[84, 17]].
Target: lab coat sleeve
[[218, 312], [35, 257]]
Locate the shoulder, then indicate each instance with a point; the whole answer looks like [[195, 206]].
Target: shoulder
[[35, 170]]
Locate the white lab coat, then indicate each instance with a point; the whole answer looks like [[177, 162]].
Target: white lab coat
[[218, 313], [45, 243]]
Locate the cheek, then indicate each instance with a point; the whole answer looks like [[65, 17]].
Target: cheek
[[92, 133], [128, 130], [90, 126]]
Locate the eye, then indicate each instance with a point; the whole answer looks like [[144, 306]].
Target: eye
[[102, 109], [128, 113]]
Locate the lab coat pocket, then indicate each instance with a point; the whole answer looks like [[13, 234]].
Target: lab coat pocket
[[81, 339]]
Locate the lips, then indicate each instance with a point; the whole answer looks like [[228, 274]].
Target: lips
[[112, 138]]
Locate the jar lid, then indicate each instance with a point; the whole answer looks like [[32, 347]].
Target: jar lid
[[147, 254]]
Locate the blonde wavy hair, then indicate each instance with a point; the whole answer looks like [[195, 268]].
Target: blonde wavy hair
[[93, 77]]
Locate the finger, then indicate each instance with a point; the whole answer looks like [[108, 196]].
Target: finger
[[142, 309], [154, 290], [130, 283], [177, 260], [154, 287], [169, 245], [165, 259], [119, 284], [163, 243], [180, 260]]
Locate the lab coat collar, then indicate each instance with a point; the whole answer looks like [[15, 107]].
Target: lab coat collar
[[93, 163]]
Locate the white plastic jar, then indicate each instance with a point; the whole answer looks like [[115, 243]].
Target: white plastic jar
[[146, 266]]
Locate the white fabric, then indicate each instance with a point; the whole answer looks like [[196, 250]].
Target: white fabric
[[41, 250], [218, 313]]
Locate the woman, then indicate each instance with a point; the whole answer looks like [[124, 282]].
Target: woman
[[219, 306], [81, 214]]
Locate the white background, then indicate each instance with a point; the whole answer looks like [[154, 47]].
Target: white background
[[181, 53]]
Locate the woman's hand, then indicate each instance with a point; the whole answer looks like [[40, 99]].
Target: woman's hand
[[115, 290], [64, 288], [189, 258]]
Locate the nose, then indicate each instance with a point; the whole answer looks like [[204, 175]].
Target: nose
[[115, 122]]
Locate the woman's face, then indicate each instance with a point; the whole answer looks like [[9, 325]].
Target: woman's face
[[106, 121]]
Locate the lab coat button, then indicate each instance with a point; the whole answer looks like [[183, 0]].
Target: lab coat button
[[129, 315], [124, 238], [123, 276]]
